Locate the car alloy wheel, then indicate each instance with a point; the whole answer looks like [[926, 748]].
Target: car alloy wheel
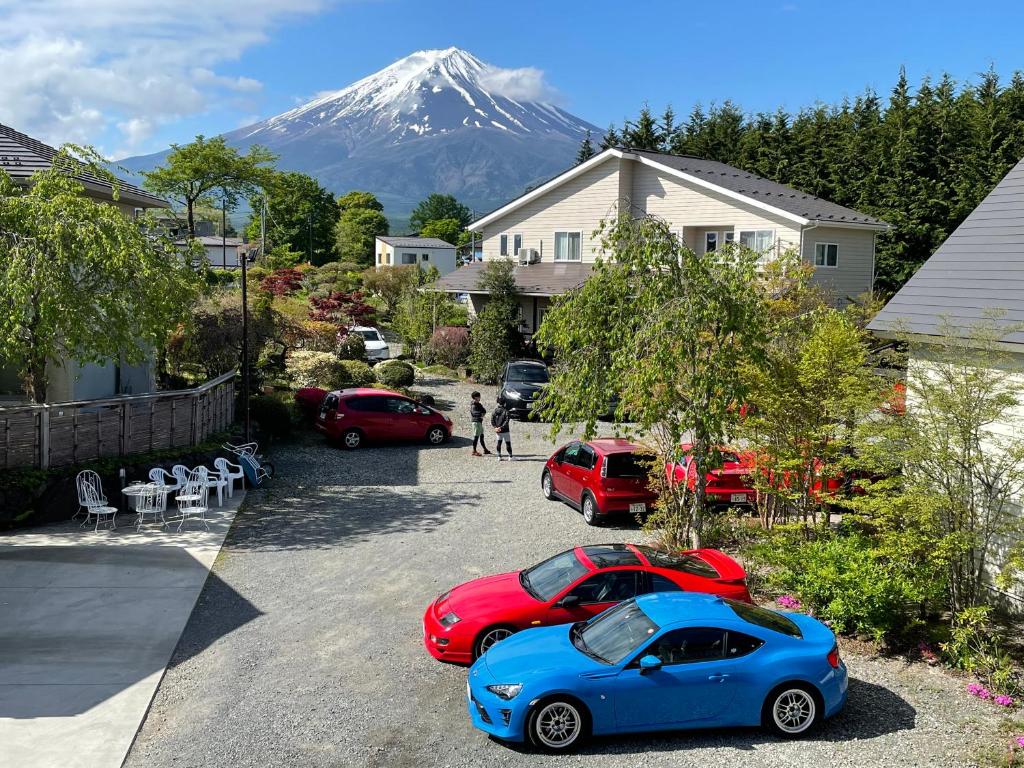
[[589, 510], [436, 435], [546, 486], [793, 711], [492, 636], [557, 725], [352, 439]]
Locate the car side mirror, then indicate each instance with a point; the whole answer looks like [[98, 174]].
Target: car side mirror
[[568, 601], [649, 663]]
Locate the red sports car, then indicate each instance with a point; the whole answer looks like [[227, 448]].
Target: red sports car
[[465, 621], [730, 484], [600, 478]]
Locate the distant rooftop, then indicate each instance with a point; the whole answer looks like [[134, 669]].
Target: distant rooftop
[[21, 156], [415, 242]]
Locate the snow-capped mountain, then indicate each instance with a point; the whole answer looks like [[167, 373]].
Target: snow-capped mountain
[[434, 121]]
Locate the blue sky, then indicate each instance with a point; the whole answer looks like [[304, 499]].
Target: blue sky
[[130, 77]]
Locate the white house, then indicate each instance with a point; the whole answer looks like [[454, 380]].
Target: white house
[[20, 157], [423, 251], [222, 253], [975, 276], [549, 230]]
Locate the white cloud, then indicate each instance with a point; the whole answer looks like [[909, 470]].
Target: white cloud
[[103, 70], [522, 84]]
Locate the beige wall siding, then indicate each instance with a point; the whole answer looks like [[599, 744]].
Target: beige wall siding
[[577, 206], [852, 276]]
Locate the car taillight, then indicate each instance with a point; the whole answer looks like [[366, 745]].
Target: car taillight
[[604, 468], [833, 657]]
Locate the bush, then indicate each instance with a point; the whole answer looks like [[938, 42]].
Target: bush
[[352, 347], [360, 374], [272, 416], [448, 347], [394, 373], [317, 369]]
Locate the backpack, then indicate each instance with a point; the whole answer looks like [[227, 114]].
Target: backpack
[[498, 416]]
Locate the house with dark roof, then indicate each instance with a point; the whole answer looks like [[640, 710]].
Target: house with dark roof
[[20, 157], [423, 251], [549, 231], [975, 278]]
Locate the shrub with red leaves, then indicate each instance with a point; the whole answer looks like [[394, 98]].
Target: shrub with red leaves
[[342, 309], [282, 282]]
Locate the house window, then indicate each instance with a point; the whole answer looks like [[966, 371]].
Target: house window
[[710, 242], [567, 246], [503, 245], [517, 243], [730, 237], [425, 256], [826, 255], [380, 258], [408, 258], [759, 240]]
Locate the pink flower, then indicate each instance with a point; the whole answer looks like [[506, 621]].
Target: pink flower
[[976, 689], [1003, 701], [1020, 741], [790, 602]]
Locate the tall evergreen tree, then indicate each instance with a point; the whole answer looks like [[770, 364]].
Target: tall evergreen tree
[[611, 138], [644, 133], [586, 150]]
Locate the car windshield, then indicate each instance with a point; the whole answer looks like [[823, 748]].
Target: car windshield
[[762, 617], [629, 464], [369, 335], [547, 579], [614, 634], [678, 561], [529, 374]]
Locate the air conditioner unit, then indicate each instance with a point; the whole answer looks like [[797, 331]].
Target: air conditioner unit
[[528, 256]]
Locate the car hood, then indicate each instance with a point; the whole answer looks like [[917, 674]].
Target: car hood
[[527, 391], [539, 651], [482, 596], [375, 345]]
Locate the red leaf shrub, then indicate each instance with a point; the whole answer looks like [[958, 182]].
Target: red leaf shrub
[[282, 282], [448, 346], [342, 309]]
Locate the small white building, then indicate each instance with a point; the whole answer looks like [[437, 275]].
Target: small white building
[[422, 251], [222, 253]]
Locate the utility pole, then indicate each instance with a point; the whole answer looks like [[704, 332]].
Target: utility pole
[[310, 259], [224, 232]]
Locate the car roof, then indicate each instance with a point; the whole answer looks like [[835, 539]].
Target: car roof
[[364, 328], [364, 391], [672, 607], [599, 557], [606, 445], [528, 362]]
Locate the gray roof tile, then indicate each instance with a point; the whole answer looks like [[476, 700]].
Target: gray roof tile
[[21, 156], [977, 272], [416, 242]]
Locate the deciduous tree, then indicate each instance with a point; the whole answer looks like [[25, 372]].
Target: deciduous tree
[[437, 206]]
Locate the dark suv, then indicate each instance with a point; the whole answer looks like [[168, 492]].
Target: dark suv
[[520, 385]]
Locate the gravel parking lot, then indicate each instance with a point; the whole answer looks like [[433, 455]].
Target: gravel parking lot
[[305, 647]]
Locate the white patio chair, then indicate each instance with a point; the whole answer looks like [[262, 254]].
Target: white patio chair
[[84, 480], [213, 481], [192, 497], [152, 500], [230, 473], [166, 481], [180, 472], [95, 505]]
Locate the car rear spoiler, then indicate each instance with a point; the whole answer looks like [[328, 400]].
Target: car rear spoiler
[[729, 571]]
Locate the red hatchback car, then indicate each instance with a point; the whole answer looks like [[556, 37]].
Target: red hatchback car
[[600, 478], [351, 417], [465, 621]]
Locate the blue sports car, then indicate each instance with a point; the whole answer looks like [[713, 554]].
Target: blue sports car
[[663, 661]]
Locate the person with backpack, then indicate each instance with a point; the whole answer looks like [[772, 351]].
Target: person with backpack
[[501, 421], [476, 416]]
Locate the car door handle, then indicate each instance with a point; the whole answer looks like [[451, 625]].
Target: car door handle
[[718, 678]]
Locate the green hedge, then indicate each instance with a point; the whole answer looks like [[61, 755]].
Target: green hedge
[[395, 373]]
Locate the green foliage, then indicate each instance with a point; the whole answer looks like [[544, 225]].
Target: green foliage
[[272, 417], [355, 231], [421, 310], [922, 160], [974, 646], [357, 199], [61, 253], [449, 230], [390, 283], [300, 220], [667, 331], [586, 150], [843, 578], [332, 277], [207, 172], [352, 347], [437, 207], [494, 336], [317, 369], [359, 372], [394, 373], [282, 257]]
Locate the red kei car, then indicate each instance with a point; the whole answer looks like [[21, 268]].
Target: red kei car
[[599, 478], [350, 417], [465, 621]]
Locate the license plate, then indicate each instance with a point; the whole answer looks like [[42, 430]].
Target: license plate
[[738, 498], [637, 509]]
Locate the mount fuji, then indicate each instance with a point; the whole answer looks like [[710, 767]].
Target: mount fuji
[[434, 121]]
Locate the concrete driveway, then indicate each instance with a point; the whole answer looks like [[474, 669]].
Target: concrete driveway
[[88, 623]]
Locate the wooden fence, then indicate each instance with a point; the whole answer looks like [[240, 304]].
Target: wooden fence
[[58, 434]]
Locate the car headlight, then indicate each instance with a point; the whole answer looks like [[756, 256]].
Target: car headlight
[[449, 619], [505, 692]]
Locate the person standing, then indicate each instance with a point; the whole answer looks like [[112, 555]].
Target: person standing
[[501, 421], [476, 416]]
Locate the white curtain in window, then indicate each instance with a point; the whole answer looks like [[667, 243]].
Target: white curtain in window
[[567, 246]]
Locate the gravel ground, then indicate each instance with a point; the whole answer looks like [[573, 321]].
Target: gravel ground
[[305, 648]]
